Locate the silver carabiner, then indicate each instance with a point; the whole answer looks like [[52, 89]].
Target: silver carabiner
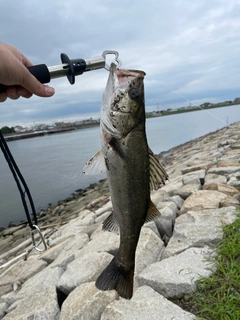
[[119, 63], [41, 239]]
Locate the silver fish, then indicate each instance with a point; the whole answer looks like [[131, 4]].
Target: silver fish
[[132, 171]]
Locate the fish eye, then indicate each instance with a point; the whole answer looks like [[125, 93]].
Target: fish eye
[[134, 93]]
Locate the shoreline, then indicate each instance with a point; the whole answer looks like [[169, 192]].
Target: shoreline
[[100, 188], [202, 194]]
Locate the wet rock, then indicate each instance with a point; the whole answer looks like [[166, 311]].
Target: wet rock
[[198, 228], [175, 276], [202, 199], [86, 302], [146, 304]]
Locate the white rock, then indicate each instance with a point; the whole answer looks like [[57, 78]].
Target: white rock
[[146, 304], [198, 228], [84, 269], [187, 190], [175, 276], [86, 302]]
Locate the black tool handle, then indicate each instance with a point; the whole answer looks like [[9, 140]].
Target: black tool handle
[[39, 71]]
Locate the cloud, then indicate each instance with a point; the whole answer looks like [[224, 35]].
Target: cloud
[[189, 47]]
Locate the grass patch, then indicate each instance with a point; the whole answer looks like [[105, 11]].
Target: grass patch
[[218, 297]]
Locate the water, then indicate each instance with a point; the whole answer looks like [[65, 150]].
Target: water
[[52, 165]]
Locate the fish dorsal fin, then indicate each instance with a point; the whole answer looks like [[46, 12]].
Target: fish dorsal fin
[[111, 224], [153, 213], [158, 175], [95, 165]]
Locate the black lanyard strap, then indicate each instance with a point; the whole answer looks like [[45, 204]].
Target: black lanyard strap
[[20, 181]]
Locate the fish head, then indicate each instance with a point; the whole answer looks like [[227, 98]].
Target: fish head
[[123, 106]]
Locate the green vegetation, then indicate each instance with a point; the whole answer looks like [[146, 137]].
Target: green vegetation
[[218, 297], [7, 130]]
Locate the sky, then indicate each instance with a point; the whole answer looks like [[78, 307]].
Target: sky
[[190, 51]]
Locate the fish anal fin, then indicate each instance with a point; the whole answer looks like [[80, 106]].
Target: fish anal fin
[[111, 224], [116, 277], [153, 213]]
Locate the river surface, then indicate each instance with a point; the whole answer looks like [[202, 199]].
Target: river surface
[[52, 164]]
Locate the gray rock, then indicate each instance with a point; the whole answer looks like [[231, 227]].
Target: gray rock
[[39, 282], [174, 184], [67, 254], [146, 304], [201, 166], [202, 199], [198, 228], [193, 179], [101, 241], [151, 225], [41, 305], [159, 195], [215, 178], [177, 200], [3, 308], [149, 249], [169, 204], [224, 170], [187, 190], [175, 276], [52, 253], [166, 221], [84, 269], [22, 270], [86, 302]]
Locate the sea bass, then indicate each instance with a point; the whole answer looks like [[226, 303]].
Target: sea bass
[[132, 171]]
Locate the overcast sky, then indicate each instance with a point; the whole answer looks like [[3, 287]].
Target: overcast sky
[[189, 47]]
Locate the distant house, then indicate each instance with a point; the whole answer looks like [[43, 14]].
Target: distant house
[[237, 100]]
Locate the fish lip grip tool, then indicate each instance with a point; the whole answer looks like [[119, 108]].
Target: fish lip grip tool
[[69, 68]]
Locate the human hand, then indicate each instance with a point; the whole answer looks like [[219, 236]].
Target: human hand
[[13, 73]]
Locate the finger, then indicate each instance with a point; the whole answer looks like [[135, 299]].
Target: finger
[[24, 92], [12, 93], [3, 97]]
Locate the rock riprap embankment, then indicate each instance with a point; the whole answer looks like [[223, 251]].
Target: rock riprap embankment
[[173, 252]]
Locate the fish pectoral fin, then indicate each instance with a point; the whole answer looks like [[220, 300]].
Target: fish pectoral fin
[[111, 224], [153, 213], [157, 173], [95, 165]]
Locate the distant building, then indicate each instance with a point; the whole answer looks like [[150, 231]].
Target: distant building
[[237, 100]]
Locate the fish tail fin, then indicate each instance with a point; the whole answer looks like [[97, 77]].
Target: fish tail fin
[[116, 277]]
